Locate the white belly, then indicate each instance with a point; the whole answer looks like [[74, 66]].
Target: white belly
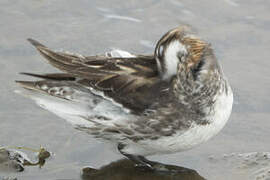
[[195, 135]]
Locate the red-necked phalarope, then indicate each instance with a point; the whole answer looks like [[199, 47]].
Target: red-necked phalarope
[[163, 103]]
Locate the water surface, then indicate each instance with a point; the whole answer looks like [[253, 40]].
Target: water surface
[[237, 29]]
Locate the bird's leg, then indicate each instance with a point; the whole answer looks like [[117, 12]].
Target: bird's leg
[[140, 161], [152, 163]]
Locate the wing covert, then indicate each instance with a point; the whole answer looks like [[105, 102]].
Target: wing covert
[[126, 80]]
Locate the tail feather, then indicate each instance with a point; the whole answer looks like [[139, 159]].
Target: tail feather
[[35, 43], [53, 76], [70, 95], [68, 90], [73, 102], [30, 85], [64, 61]]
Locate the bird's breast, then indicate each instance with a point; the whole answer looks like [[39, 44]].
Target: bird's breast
[[195, 134]]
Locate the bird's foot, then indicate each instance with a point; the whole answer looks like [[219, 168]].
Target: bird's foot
[[144, 167], [140, 162]]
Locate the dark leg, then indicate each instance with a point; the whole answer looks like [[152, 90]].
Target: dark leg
[[140, 161]]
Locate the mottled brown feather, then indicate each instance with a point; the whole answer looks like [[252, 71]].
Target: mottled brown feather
[[196, 49], [194, 45]]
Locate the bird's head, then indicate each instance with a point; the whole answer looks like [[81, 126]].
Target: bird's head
[[179, 51]]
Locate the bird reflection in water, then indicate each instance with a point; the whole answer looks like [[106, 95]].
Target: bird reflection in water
[[124, 169]]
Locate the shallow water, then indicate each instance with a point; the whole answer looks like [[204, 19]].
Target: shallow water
[[237, 29]]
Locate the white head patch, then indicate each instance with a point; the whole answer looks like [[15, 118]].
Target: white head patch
[[171, 59]]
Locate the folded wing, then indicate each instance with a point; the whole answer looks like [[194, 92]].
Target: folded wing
[[126, 80]]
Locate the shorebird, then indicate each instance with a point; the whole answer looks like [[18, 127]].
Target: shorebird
[[145, 104]]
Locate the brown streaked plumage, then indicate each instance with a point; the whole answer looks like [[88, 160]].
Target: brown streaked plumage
[[116, 77], [194, 45], [196, 49], [163, 103]]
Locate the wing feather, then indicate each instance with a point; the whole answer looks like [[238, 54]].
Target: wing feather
[[53, 76], [124, 79]]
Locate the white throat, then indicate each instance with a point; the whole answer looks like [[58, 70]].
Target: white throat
[[171, 58]]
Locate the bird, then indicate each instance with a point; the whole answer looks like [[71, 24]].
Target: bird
[[164, 103]]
